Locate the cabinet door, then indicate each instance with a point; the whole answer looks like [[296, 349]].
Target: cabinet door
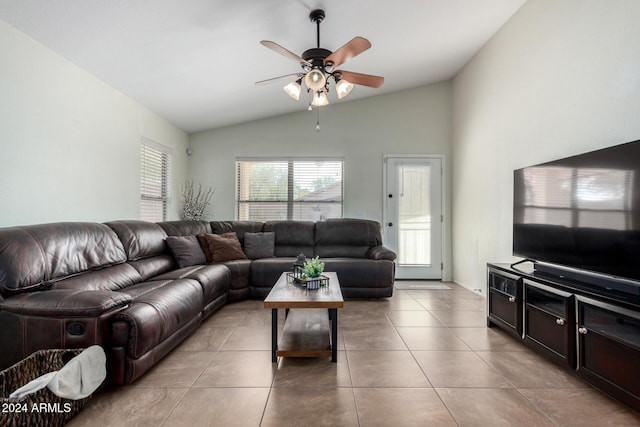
[[504, 299], [609, 349], [549, 321]]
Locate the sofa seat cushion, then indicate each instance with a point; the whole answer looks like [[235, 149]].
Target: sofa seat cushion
[[240, 273], [214, 279], [159, 310], [361, 273], [266, 271]]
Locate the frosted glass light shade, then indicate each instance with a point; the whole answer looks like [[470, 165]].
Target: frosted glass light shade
[[293, 89], [320, 99], [343, 88], [315, 79]]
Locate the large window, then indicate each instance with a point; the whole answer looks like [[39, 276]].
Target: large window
[[155, 166], [302, 189]]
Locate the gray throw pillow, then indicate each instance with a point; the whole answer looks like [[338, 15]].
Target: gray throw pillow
[[186, 250], [259, 245]]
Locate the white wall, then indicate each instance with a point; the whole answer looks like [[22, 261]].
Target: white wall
[[416, 121], [560, 78], [69, 143]]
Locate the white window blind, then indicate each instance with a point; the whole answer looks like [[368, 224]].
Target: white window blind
[[300, 189], [155, 167]]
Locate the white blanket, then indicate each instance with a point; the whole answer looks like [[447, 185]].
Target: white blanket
[[80, 377]]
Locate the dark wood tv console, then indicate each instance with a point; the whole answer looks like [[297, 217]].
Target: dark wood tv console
[[594, 332]]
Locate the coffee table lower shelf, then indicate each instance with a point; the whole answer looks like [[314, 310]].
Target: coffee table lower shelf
[[306, 333], [311, 325]]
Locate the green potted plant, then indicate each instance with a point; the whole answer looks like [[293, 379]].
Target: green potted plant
[[312, 268]]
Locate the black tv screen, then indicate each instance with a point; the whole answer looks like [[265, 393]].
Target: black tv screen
[[581, 212]]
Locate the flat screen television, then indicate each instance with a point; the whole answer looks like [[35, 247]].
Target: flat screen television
[[579, 217]]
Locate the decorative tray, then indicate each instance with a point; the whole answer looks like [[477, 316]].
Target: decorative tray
[[310, 283]]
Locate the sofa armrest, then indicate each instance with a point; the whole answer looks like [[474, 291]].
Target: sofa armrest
[[381, 252], [64, 303]]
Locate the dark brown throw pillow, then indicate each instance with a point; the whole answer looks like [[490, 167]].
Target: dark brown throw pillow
[[259, 245], [186, 250], [224, 247], [205, 247]]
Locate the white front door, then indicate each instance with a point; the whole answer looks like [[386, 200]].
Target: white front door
[[413, 215]]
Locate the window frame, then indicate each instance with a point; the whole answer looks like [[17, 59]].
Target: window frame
[[166, 159], [291, 202]]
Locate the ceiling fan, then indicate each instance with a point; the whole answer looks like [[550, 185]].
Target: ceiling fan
[[319, 65]]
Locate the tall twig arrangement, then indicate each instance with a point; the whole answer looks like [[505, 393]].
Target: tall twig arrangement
[[195, 201]]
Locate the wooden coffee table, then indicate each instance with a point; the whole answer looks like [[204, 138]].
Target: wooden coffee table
[[309, 330]]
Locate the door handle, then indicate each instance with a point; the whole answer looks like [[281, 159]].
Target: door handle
[[390, 224]]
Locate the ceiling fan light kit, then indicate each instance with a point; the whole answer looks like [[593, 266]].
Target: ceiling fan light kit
[[343, 88], [315, 79], [294, 89], [320, 99], [319, 66]]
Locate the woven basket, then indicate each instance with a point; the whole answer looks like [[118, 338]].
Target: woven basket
[[42, 408]]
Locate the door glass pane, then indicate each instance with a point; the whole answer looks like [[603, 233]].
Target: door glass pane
[[414, 215]]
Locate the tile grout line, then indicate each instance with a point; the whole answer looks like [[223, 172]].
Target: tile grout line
[[204, 368], [425, 374]]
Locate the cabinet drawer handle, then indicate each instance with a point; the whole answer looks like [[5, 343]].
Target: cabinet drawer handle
[[512, 299], [560, 322], [583, 331]]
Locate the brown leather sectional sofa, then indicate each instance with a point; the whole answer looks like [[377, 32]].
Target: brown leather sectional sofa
[[72, 285]]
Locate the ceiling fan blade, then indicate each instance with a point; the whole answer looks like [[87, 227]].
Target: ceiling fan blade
[[288, 77], [282, 51], [361, 79], [348, 51]]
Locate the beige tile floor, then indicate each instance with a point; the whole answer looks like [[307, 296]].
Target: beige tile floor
[[423, 357]]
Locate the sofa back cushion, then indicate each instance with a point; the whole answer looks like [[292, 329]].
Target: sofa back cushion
[[34, 256], [185, 228], [114, 278], [140, 239], [292, 237], [260, 245], [238, 227], [144, 244], [346, 237]]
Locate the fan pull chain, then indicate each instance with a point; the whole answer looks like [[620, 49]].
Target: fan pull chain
[[318, 120]]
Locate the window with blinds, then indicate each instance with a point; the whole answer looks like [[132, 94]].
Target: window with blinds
[[155, 167], [300, 189]]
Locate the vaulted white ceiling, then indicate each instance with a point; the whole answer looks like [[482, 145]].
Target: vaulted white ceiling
[[195, 62]]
